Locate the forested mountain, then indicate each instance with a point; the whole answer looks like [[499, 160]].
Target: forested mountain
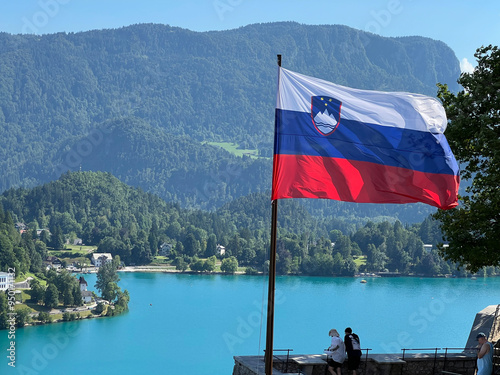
[[175, 167], [126, 221], [139, 101]]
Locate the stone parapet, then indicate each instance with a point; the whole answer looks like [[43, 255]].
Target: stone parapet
[[488, 322], [373, 364]]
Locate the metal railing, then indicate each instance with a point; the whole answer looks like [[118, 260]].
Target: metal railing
[[366, 357], [496, 358], [436, 352], [284, 364]]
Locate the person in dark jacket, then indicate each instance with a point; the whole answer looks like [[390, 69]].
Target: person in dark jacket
[[353, 349]]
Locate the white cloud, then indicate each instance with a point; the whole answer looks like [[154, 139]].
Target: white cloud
[[466, 66]]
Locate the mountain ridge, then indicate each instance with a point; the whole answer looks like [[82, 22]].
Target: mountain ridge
[[58, 91]]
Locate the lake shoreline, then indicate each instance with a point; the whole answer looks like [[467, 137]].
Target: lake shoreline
[[169, 269]]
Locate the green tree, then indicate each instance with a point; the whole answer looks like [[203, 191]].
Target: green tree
[[349, 268], [44, 237], [110, 291], [57, 238], [68, 299], [473, 228], [191, 245], [376, 259], [122, 301], [229, 265], [44, 317], [7, 255], [77, 296], [343, 246], [320, 264], [211, 245], [337, 263], [181, 264], [283, 259], [234, 246], [107, 279], [428, 265], [4, 310], [209, 265], [51, 298], [41, 248], [37, 291], [153, 238], [197, 265], [179, 248], [23, 316], [68, 317], [99, 309]]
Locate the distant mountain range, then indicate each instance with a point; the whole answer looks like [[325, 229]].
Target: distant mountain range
[[142, 101]]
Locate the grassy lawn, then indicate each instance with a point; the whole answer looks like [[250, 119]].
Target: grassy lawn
[[23, 296], [22, 306], [24, 276], [36, 308], [80, 248], [81, 260], [360, 260], [76, 250], [233, 149], [160, 261], [73, 253]]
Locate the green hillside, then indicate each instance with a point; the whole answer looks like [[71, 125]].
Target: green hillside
[[116, 218], [140, 101]]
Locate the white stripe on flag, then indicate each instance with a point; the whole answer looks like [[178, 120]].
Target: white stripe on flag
[[395, 109]]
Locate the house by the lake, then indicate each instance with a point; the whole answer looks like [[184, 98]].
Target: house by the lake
[[6, 280], [99, 259], [52, 262], [221, 250], [165, 249], [86, 295]]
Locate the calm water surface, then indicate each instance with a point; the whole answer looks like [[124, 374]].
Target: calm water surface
[[188, 324]]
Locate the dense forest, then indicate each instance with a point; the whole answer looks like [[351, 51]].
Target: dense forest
[[141, 102], [126, 221]]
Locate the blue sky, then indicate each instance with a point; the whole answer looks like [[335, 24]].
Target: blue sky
[[463, 25]]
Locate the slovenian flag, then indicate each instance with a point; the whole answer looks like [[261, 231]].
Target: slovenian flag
[[335, 142]]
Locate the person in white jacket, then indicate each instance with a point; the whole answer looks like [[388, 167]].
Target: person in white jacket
[[335, 353]]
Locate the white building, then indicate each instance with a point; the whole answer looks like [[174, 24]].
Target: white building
[[221, 250], [86, 296], [6, 280], [99, 259], [83, 284], [52, 262]]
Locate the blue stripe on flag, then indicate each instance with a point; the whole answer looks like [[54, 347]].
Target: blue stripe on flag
[[385, 145]]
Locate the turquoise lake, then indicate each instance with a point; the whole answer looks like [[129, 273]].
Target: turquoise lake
[[190, 324]]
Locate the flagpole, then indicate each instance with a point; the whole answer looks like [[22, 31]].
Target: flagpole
[[272, 283]]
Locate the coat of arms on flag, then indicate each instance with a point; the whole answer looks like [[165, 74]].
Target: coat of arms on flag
[[325, 113]]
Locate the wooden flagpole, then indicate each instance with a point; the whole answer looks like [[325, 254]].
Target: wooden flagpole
[[272, 283]]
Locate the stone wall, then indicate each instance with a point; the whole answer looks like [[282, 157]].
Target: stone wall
[[375, 364], [426, 364], [488, 322]]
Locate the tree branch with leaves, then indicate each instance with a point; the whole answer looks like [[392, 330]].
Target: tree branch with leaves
[[472, 229]]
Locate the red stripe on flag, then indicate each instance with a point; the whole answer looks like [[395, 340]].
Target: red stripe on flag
[[303, 176]]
